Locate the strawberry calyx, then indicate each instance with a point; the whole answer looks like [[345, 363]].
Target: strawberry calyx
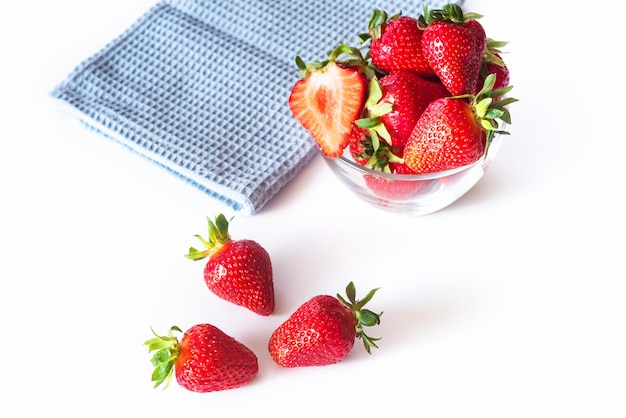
[[375, 25], [374, 110], [376, 154], [487, 110], [451, 12], [492, 53], [218, 236], [343, 54], [364, 317], [167, 350]]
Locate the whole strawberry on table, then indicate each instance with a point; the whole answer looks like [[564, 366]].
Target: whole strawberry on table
[[418, 95], [323, 330], [238, 271], [205, 360]]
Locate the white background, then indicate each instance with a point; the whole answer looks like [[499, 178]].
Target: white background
[[509, 303]]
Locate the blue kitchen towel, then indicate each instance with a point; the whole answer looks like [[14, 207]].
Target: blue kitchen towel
[[200, 87]]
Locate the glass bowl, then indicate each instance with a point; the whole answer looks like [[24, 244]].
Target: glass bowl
[[410, 194]]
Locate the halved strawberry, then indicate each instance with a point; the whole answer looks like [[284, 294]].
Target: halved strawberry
[[329, 98]]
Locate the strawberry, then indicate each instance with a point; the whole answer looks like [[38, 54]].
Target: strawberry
[[456, 131], [322, 330], [205, 360], [397, 103], [454, 45], [355, 139], [409, 95], [447, 136], [501, 72], [384, 158], [367, 151], [329, 98], [396, 188], [239, 271], [359, 141], [396, 44], [388, 160]]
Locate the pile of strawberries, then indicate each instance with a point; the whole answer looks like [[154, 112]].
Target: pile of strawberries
[[417, 95], [319, 332]]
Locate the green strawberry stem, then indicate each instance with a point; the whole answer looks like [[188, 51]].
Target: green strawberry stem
[[377, 20], [449, 13], [167, 351], [344, 54], [378, 155], [218, 236], [489, 110], [364, 317]]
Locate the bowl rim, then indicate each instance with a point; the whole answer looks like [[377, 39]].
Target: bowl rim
[[347, 161]]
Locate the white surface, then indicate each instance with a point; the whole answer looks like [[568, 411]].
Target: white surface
[[510, 303]]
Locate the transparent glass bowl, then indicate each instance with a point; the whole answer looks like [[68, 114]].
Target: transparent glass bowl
[[410, 194]]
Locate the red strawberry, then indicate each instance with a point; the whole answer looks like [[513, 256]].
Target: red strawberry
[[205, 360], [408, 95], [387, 160], [329, 98], [322, 331], [447, 136], [395, 103], [369, 152], [501, 72], [359, 138], [396, 44], [239, 271], [454, 44], [396, 189], [454, 132]]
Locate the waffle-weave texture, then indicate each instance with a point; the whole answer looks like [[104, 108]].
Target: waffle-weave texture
[[200, 87]]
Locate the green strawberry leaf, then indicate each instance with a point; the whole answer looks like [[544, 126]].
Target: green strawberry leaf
[[167, 350], [482, 107], [368, 318], [364, 317], [218, 235], [351, 292], [367, 123], [369, 343]]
